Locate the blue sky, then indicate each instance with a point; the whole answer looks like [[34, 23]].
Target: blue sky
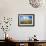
[[25, 18]]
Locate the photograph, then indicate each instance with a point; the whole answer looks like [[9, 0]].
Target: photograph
[[26, 19]]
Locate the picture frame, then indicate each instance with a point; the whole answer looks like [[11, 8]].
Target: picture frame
[[26, 19]]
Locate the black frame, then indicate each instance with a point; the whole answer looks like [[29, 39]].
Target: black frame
[[26, 15]]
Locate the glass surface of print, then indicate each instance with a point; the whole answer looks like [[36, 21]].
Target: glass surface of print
[[26, 19]]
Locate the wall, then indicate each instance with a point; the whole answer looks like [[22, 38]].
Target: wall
[[11, 8]]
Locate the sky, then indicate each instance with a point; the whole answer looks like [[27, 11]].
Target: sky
[[25, 18]]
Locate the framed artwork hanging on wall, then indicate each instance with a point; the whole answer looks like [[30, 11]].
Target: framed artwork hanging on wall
[[26, 19]]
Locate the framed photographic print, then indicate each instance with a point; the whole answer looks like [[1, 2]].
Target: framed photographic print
[[26, 19]]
